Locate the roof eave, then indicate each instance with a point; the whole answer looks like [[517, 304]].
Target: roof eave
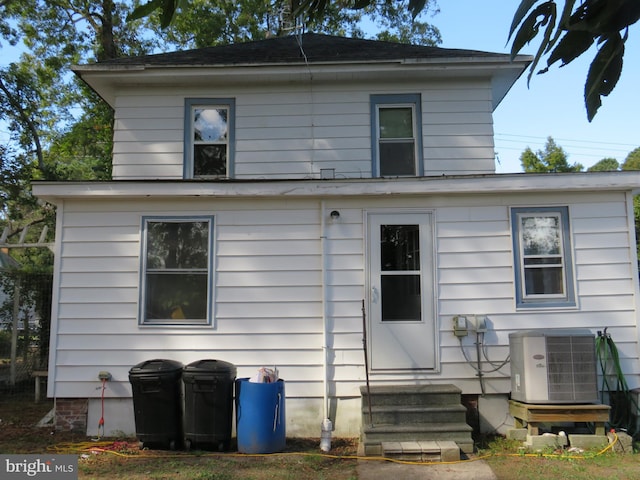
[[106, 79], [627, 181]]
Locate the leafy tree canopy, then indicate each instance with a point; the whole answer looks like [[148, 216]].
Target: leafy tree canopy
[[551, 159], [605, 165], [203, 23], [632, 162]]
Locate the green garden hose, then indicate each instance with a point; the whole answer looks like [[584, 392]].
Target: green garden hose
[[624, 405]]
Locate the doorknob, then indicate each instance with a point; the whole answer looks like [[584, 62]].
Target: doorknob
[[374, 295]]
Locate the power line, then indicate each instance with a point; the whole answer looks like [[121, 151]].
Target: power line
[[544, 139], [582, 148]]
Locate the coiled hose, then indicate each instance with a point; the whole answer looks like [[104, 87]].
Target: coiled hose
[[624, 405]]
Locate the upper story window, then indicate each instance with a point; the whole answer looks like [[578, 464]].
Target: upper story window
[[396, 135], [176, 270], [542, 255], [209, 137]]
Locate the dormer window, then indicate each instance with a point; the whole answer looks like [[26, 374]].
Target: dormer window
[[396, 135], [209, 138]]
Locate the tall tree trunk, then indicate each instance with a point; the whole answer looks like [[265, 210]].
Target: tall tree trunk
[[107, 49]]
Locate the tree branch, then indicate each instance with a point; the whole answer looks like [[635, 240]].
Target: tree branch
[[25, 120]]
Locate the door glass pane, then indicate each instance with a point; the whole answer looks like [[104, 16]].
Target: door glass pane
[[399, 247], [400, 252], [401, 298]]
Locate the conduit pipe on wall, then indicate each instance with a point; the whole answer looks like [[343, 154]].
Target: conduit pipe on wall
[[326, 426]]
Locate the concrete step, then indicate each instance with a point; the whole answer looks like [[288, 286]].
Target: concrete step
[[372, 437], [422, 451], [405, 414], [422, 395], [399, 414]]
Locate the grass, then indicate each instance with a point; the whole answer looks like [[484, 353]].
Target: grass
[[121, 459], [508, 461]]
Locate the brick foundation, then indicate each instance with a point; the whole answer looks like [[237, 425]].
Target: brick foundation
[[71, 414]]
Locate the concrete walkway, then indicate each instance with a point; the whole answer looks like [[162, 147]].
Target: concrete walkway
[[383, 470]]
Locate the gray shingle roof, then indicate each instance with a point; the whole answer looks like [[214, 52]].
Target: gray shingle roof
[[309, 47]]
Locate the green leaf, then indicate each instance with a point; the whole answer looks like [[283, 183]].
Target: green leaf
[[144, 10], [416, 6], [564, 20], [572, 45], [602, 17], [604, 73], [550, 21], [168, 11], [531, 26], [358, 4], [523, 8]]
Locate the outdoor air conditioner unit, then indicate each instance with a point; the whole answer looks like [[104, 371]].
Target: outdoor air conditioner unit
[[553, 367]]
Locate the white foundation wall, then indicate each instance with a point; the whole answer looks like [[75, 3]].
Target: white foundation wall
[[303, 418]]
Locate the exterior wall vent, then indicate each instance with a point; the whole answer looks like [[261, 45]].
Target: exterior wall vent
[[553, 367]]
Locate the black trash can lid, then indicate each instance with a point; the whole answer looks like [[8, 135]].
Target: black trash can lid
[[156, 366], [210, 366]]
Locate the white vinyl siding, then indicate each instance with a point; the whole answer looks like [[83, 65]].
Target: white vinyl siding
[[268, 289], [293, 132]]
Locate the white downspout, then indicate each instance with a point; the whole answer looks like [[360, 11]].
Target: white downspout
[[326, 427]]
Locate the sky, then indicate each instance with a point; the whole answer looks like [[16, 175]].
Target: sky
[[553, 103]]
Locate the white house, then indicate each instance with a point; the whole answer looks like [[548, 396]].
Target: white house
[[264, 192]]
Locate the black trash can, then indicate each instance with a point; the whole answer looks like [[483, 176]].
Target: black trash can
[[208, 404], [157, 402]]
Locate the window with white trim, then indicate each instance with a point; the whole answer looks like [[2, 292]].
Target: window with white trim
[[209, 138], [176, 270], [396, 135], [542, 257]]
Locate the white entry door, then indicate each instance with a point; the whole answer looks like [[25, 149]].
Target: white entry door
[[401, 310]]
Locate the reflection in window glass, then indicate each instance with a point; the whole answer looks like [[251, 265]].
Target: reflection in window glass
[[400, 247], [176, 271], [210, 126], [396, 122], [541, 235], [400, 252]]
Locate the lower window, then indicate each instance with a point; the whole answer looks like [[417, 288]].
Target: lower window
[[176, 271], [542, 257]]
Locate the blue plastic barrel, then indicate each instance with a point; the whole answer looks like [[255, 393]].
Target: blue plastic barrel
[[260, 416]]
